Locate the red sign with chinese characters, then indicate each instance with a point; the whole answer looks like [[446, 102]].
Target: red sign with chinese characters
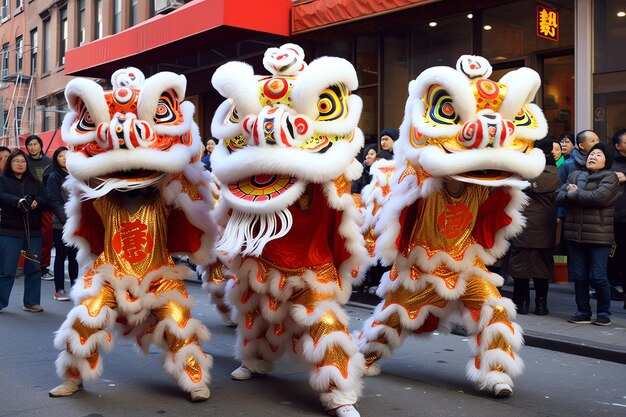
[[548, 23]]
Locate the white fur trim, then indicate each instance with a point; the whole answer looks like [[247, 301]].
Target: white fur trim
[[236, 80], [154, 87], [174, 364], [319, 75], [522, 86]]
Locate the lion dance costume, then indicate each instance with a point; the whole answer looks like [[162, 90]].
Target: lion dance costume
[[450, 200], [138, 194], [285, 162]]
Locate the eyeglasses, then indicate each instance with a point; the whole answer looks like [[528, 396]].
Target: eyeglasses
[[18, 161]]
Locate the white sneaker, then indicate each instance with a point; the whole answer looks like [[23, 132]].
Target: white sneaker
[[61, 295], [241, 374], [35, 308], [347, 410], [47, 276], [69, 387], [502, 390], [201, 393]]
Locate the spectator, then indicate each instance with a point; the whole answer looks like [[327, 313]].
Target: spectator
[[369, 157], [531, 253], [567, 143], [22, 199], [208, 146], [617, 262], [38, 163], [585, 140], [557, 153], [4, 154], [590, 197], [387, 138], [58, 196]]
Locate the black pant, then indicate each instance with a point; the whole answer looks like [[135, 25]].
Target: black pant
[[61, 252], [616, 268], [521, 290]]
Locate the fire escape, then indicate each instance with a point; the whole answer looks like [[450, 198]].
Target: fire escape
[[17, 95]]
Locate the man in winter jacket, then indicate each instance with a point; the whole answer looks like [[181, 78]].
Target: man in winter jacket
[[585, 140]]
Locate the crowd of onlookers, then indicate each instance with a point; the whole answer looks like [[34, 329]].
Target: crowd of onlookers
[[32, 216]]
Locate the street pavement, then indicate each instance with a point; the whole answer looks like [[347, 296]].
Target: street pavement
[[424, 377]]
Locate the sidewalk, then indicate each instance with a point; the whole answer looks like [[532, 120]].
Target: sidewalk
[[555, 333]]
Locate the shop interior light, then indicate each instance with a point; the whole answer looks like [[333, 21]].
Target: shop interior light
[[469, 16], [621, 14], [487, 27], [432, 24]]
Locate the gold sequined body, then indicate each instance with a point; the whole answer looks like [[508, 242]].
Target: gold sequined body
[[138, 240], [444, 225], [137, 250]]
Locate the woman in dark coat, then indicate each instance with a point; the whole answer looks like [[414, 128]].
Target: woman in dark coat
[[369, 157], [531, 253], [22, 199], [58, 197], [590, 197]]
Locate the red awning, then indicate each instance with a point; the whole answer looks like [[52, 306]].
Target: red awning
[[194, 27], [311, 15]]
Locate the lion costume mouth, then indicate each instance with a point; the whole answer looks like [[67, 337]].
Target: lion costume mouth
[[487, 175], [262, 187], [133, 175]]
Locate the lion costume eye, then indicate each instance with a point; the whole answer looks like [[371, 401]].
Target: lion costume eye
[[439, 107], [167, 110], [332, 103], [524, 118], [85, 123]]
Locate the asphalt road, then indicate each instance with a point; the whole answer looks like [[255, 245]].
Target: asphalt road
[[425, 377]]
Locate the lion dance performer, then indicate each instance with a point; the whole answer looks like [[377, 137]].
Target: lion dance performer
[[286, 160], [218, 277], [465, 148], [138, 193]]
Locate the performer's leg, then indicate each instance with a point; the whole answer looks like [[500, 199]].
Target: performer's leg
[[326, 344], [215, 282], [80, 336], [253, 348], [401, 312], [496, 339], [181, 335]]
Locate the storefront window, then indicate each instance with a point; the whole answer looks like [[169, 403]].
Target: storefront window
[[609, 79], [396, 79], [369, 116], [609, 103], [440, 42], [558, 94], [510, 31], [609, 36]]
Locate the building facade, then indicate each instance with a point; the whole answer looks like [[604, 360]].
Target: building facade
[[577, 47]]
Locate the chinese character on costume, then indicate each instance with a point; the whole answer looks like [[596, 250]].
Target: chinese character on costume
[[138, 194], [450, 200], [286, 158]]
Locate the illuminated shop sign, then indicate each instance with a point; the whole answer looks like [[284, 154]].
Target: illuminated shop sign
[[547, 23]]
